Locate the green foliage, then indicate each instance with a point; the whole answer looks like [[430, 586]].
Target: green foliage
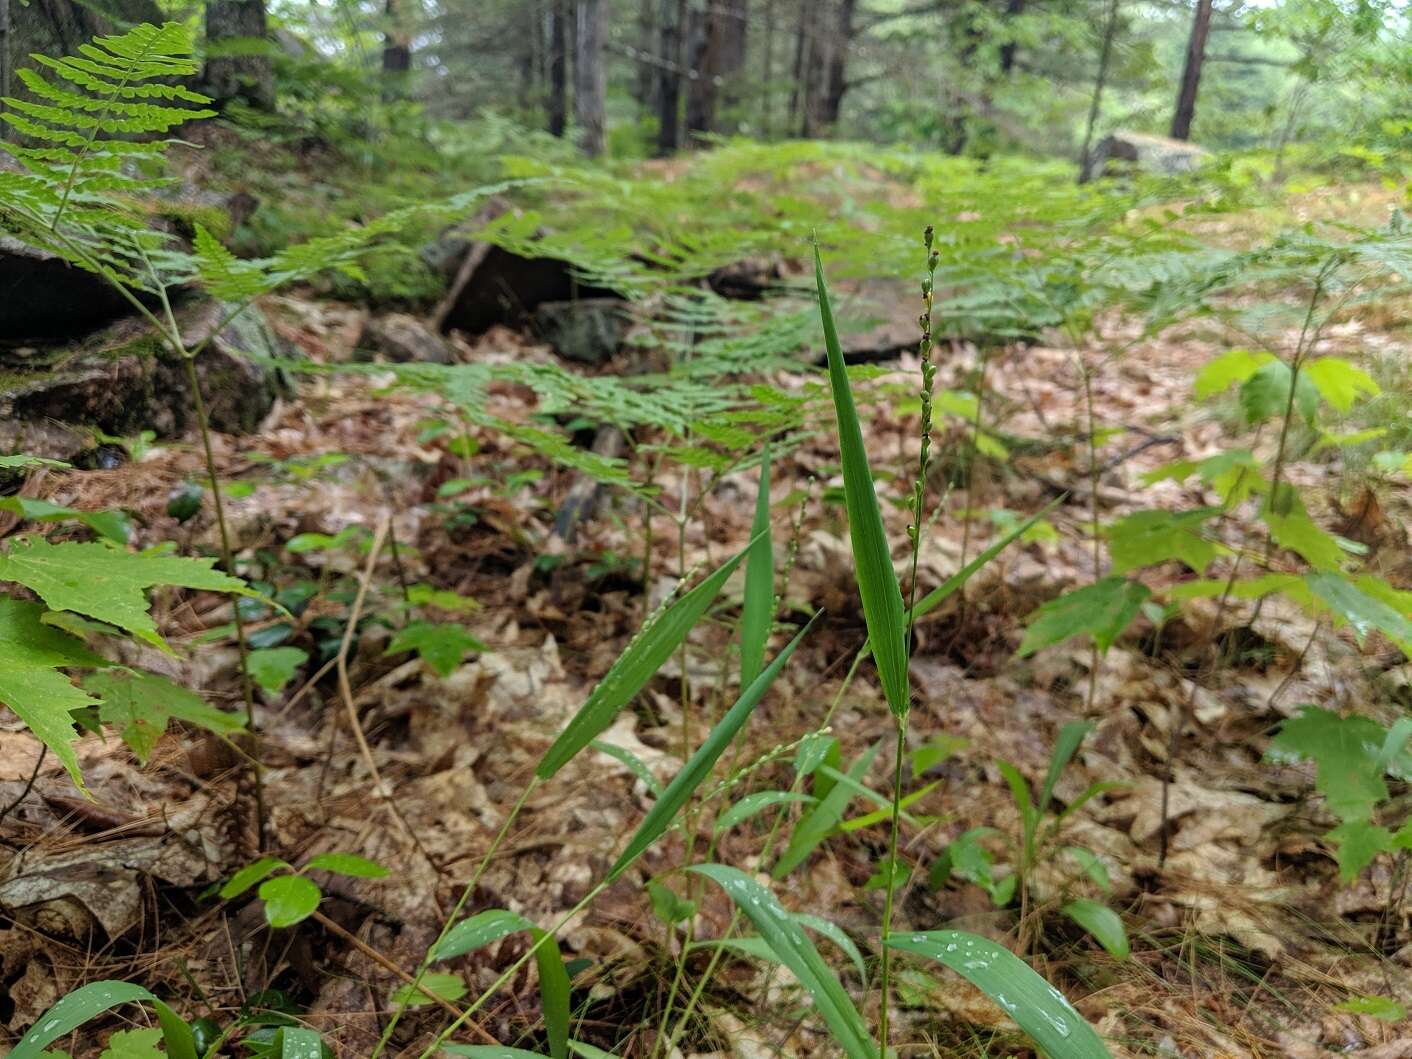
[[274, 667], [877, 580], [1040, 1009], [786, 938], [442, 646], [1101, 610], [1352, 755], [140, 704]]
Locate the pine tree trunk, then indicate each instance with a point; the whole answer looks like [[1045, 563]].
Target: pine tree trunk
[[1191, 72], [669, 85], [767, 117], [700, 91], [799, 93], [645, 76], [247, 78], [590, 77], [396, 54], [831, 105], [558, 67]]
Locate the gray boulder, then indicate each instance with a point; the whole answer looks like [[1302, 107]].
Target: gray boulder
[[589, 330], [123, 379], [402, 339], [1127, 151]]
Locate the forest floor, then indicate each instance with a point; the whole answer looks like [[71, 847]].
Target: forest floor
[[1243, 942]]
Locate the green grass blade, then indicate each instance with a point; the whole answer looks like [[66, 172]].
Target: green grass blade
[[758, 611], [491, 925], [947, 588], [786, 937], [489, 1051], [823, 818], [1071, 736], [679, 791], [753, 804], [634, 668], [72, 1011], [1039, 1009], [877, 580], [553, 993]]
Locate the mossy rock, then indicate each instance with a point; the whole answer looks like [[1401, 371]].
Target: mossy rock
[[124, 380]]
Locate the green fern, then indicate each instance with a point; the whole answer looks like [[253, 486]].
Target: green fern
[[92, 133]]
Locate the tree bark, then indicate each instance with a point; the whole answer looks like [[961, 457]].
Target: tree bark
[[645, 76], [799, 92], [247, 78], [396, 53], [719, 64], [1100, 80], [1013, 9], [836, 83], [1191, 72], [558, 67], [590, 76], [4, 62], [669, 84]]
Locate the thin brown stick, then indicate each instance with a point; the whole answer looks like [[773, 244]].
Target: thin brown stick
[[387, 965], [345, 689], [29, 786]]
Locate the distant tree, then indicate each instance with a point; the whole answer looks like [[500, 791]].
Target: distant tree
[[235, 73], [1105, 54], [4, 59], [558, 107], [590, 74], [718, 60], [671, 62], [1191, 71], [396, 51]]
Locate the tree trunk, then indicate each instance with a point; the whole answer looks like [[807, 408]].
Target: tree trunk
[[396, 53], [836, 83], [1101, 79], [558, 67], [1191, 72], [1013, 8], [669, 85], [700, 93], [590, 77], [4, 62], [247, 78], [645, 77], [767, 118], [799, 92], [719, 58]]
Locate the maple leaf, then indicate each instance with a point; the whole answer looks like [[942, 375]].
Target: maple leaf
[[141, 704], [30, 681], [102, 581]]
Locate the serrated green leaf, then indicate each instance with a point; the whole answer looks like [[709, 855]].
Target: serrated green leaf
[[1356, 844], [289, 899], [1345, 752], [1339, 382], [139, 705], [1362, 611], [872, 558], [783, 933], [1146, 538], [113, 525], [1234, 367], [30, 681], [1265, 395], [1039, 1009], [441, 646], [134, 1044], [106, 583], [274, 667], [1101, 610]]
